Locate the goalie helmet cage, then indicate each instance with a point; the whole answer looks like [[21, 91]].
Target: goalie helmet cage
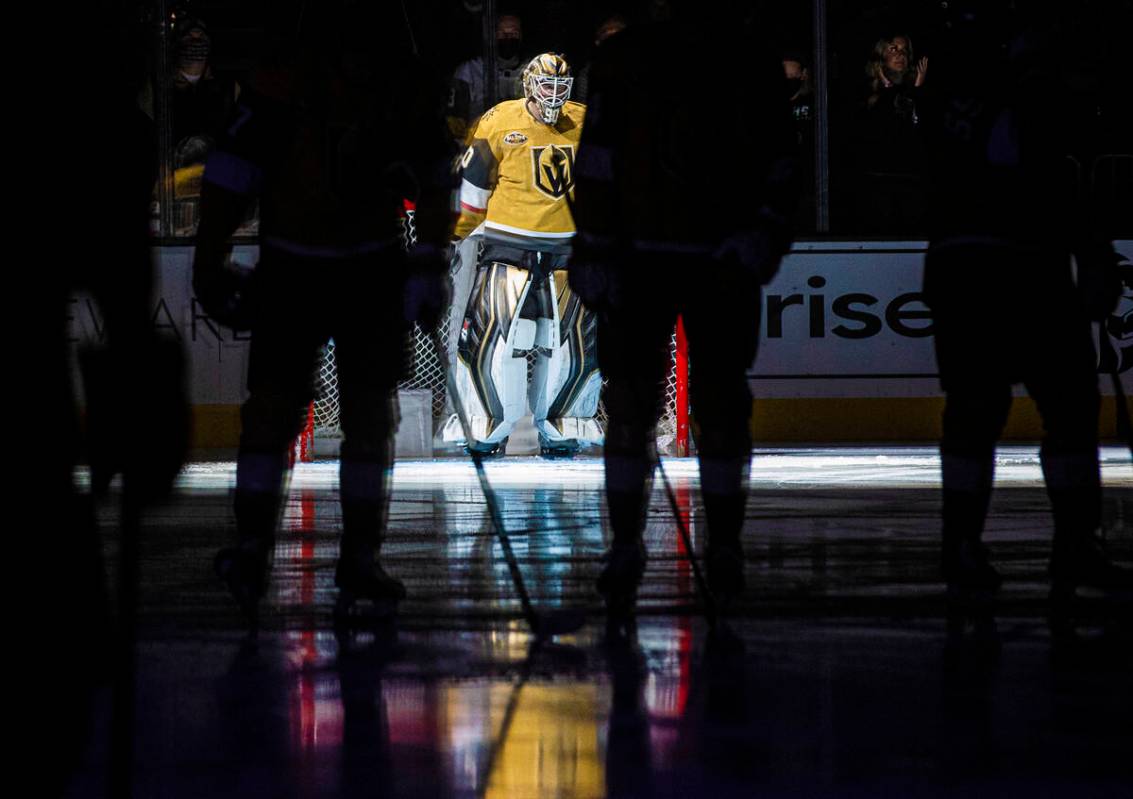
[[427, 372]]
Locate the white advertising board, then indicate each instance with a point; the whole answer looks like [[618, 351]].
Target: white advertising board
[[846, 320], [841, 320], [217, 356]]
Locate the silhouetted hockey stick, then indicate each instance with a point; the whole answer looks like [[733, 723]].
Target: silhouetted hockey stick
[[701, 585], [497, 745], [558, 657], [543, 625]]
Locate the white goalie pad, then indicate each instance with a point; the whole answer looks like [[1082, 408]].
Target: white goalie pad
[[509, 378], [571, 430], [565, 383], [489, 374], [462, 270]]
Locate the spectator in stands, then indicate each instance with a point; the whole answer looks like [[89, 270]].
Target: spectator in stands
[[890, 193], [658, 10], [891, 67], [200, 101], [608, 28], [468, 96], [797, 74], [801, 94], [199, 104]]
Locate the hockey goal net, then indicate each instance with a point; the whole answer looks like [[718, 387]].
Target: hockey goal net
[[428, 373]]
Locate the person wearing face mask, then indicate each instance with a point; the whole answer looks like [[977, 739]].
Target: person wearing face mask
[[800, 93], [468, 94], [200, 101], [610, 26], [799, 89]]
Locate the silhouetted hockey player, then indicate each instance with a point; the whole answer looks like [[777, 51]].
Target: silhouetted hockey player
[[332, 133], [685, 192], [135, 420], [517, 178], [998, 278]]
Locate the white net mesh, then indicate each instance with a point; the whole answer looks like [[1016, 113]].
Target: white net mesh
[[326, 393], [667, 424], [428, 372]]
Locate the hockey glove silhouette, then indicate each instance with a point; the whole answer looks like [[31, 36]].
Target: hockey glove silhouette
[[1099, 280], [428, 289], [226, 292], [758, 252], [593, 273]]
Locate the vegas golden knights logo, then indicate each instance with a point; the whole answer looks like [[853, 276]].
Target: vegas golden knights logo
[[553, 168]]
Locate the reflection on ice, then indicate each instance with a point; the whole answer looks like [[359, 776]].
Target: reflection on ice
[[841, 670]]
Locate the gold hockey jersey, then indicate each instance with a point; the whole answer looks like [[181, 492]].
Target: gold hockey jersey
[[518, 175]]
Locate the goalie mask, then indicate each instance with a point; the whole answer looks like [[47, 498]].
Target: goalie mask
[[547, 81]]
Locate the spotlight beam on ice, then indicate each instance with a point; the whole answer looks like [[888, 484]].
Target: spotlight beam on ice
[[890, 467]]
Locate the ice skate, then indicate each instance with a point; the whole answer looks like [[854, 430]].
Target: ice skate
[[725, 564], [366, 594], [557, 452], [619, 580], [1082, 563], [487, 451], [563, 449], [244, 569], [968, 573]]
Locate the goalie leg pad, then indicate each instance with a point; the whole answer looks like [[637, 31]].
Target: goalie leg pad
[[462, 270], [489, 375], [566, 384]]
